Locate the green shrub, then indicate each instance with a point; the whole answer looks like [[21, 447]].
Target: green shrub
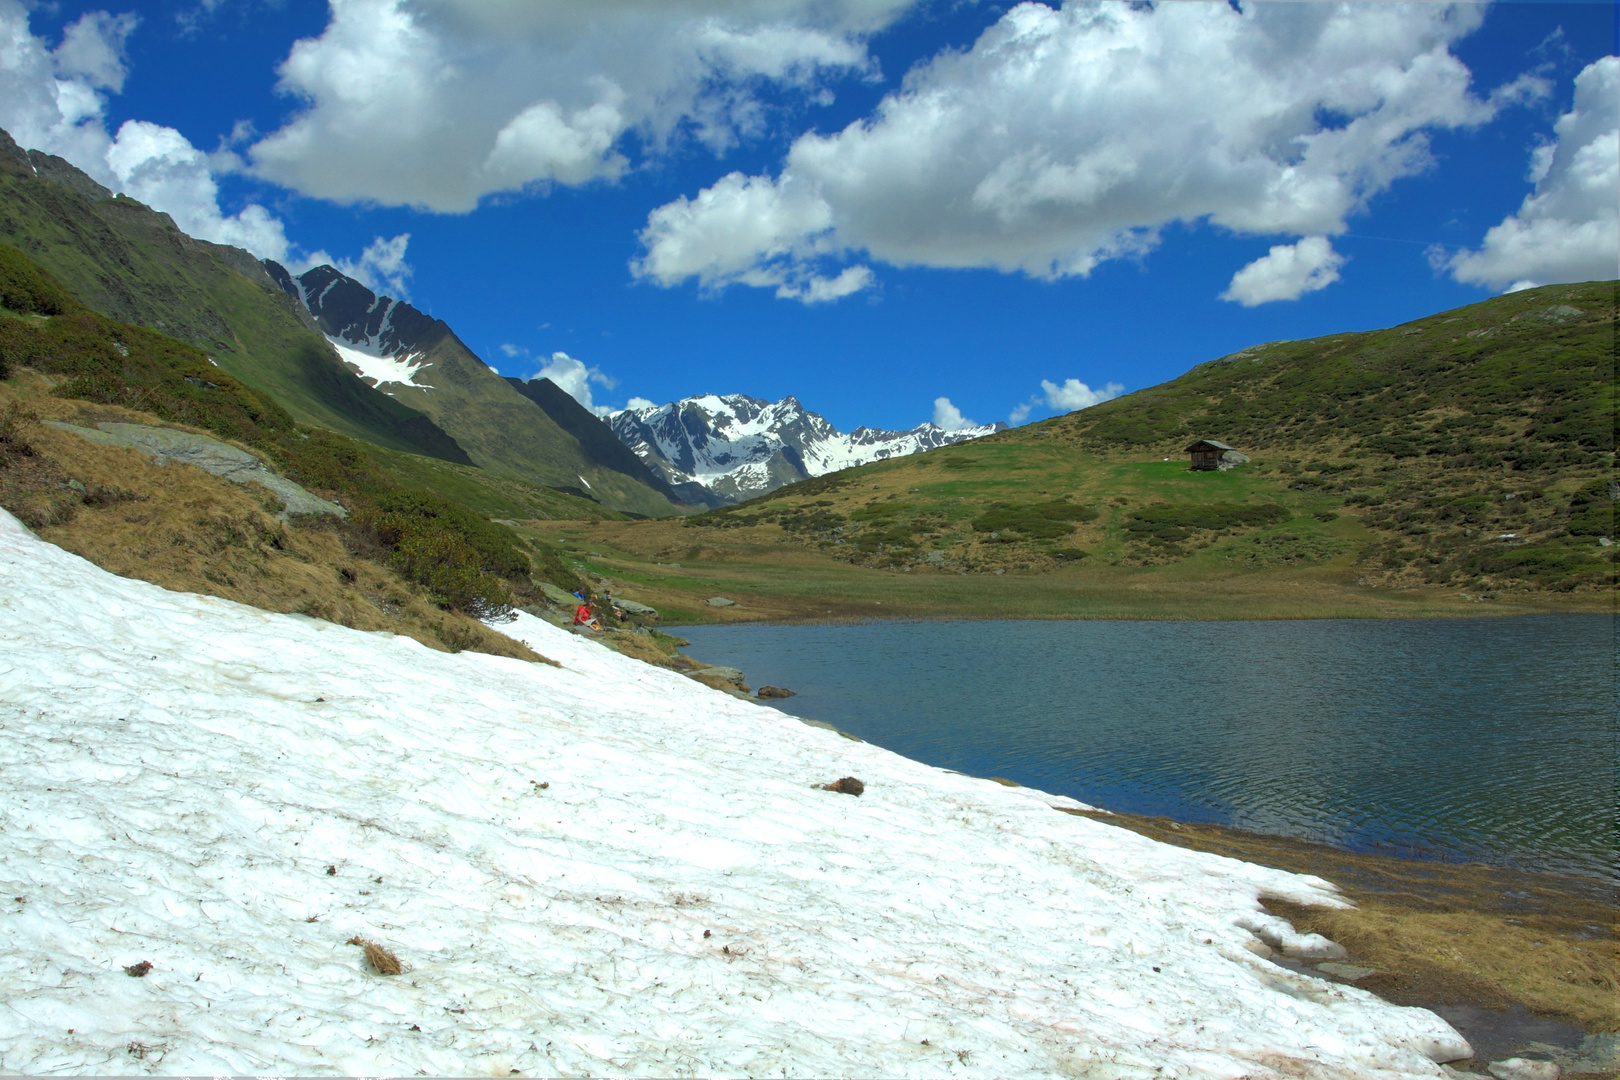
[[1034, 521], [877, 511], [1548, 565], [1591, 511], [552, 568], [1168, 524], [13, 438], [27, 289], [810, 520], [464, 562], [448, 568]]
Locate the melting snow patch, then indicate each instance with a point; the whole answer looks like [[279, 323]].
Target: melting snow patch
[[603, 868], [381, 369]]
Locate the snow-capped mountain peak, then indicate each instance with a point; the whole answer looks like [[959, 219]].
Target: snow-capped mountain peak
[[738, 446]]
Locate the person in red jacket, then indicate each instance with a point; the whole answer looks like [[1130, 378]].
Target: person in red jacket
[[583, 617]]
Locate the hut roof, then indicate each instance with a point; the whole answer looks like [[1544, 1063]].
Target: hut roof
[[1211, 443]]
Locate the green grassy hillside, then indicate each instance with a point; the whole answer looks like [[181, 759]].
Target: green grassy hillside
[[1472, 451], [129, 263], [1521, 382]]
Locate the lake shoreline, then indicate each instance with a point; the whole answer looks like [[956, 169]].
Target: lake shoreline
[[1493, 609], [1521, 963]]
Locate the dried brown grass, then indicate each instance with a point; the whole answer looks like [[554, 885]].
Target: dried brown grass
[[637, 647], [380, 959], [1441, 933], [185, 530], [716, 681]]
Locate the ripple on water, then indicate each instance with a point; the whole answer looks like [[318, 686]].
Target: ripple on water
[[1486, 739]]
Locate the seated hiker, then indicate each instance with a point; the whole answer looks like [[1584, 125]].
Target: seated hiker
[[583, 617]]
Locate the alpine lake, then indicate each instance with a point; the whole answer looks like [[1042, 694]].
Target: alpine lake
[[1485, 740]]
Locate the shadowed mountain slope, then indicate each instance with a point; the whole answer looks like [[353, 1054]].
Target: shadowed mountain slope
[[602, 444]]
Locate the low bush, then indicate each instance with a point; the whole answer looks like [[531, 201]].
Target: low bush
[[1591, 511], [13, 437], [1166, 523], [1551, 566], [464, 562], [1034, 521], [28, 290]]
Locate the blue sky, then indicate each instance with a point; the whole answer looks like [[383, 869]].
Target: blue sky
[[870, 204]]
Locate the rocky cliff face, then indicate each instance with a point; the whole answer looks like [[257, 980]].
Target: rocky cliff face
[[737, 447]]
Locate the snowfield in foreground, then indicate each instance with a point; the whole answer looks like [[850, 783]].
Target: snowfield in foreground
[[605, 868]]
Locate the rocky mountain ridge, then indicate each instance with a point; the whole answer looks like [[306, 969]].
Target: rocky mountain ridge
[[419, 360], [737, 447]]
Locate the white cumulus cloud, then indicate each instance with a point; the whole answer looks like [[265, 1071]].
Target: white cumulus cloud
[[437, 103], [92, 49], [1067, 137], [160, 167], [1568, 229], [53, 100], [1067, 396], [751, 231], [949, 417], [1074, 394], [1286, 272], [574, 378]]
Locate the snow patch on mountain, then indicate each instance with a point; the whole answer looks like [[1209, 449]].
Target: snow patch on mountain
[[739, 447], [599, 868], [368, 362], [378, 337]]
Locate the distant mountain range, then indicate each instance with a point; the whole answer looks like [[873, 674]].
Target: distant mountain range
[[338, 356], [704, 451], [736, 447]]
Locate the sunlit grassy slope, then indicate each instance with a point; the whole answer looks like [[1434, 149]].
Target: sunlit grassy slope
[[427, 521], [1460, 463]]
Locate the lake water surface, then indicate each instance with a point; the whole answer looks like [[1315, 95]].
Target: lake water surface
[[1489, 739]]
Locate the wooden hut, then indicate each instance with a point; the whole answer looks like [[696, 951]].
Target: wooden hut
[[1206, 454]]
